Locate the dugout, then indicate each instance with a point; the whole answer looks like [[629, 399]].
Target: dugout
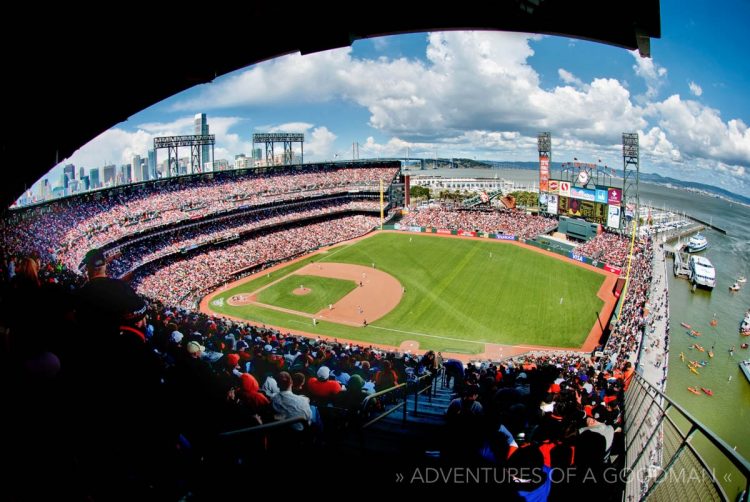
[[578, 228]]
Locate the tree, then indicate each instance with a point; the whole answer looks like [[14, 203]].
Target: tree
[[418, 192]]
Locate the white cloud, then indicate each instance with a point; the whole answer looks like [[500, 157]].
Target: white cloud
[[569, 78], [655, 146], [292, 78], [695, 89], [473, 94], [699, 131], [653, 74], [320, 145], [291, 127]]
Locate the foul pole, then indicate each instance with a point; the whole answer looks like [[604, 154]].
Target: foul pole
[[381, 204], [627, 274]]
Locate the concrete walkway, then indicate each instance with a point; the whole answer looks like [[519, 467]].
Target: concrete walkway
[[654, 356]]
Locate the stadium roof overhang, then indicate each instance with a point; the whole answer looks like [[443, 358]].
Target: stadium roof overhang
[[90, 75]]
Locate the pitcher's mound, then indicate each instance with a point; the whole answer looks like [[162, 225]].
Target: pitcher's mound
[[301, 291]]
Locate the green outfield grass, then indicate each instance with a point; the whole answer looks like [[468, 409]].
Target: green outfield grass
[[460, 294], [323, 291]]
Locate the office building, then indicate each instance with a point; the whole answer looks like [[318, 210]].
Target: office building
[[152, 164], [201, 127], [94, 178]]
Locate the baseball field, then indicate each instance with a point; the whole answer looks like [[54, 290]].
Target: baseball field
[[427, 291]]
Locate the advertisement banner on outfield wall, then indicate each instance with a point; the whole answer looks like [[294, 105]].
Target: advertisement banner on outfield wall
[[565, 188], [613, 217], [554, 186], [467, 233], [601, 195], [552, 204], [414, 229], [577, 257], [505, 237], [543, 173], [582, 194], [614, 196], [397, 226], [443, 231], [610, 268]]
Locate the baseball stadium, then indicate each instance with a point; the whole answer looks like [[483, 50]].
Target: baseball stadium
[[196, 332]]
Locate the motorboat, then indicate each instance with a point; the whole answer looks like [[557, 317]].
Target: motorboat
[[685, 325], [735, 287], [697, 243], [701, 272], [742, 279], [745, 324]]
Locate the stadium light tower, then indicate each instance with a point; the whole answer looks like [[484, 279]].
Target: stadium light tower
[[630, 172], [544, 143]]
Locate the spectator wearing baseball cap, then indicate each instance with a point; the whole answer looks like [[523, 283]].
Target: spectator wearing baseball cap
[[103, 303], [321, 387]]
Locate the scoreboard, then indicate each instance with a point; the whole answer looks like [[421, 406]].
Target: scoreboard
[[598, 204]]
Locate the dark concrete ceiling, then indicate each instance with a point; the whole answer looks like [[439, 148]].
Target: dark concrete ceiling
[[70, 74]]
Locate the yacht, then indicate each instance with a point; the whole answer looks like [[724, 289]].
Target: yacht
[[701, 272], [745, 367], [697, 243]]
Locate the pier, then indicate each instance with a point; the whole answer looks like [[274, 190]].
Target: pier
[[708, 224], [678, 233], [680, 267]]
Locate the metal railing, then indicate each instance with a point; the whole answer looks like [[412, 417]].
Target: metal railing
[[264, 427], [415, 388], [671, 456]]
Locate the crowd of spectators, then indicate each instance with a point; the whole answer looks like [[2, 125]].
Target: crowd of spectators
[[512, 222], [540, 412], [142, 251], [627, 333], [173, 283], [66, 230], [606, 247]]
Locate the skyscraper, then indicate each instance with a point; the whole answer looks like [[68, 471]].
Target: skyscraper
[[109, 175], [44, 189], [94, 178], [201, 127], [80, 172], [135, 161], [70, 171], [152, 164]]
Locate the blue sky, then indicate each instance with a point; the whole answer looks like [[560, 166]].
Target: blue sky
[[485, 95]]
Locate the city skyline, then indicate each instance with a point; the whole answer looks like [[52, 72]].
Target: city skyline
[[485, 95]]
